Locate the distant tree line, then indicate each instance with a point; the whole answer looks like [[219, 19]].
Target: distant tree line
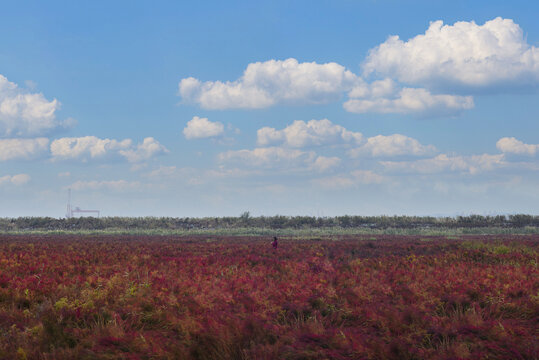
[[270, 222]]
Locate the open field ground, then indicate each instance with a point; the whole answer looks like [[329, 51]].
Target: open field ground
[[210, 297]]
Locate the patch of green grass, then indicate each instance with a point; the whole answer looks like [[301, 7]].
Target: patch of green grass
[[330, 231]]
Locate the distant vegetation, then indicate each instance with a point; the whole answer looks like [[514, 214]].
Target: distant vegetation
[[284, 224]]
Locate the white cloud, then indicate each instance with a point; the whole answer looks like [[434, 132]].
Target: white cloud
[[264, 84], [409, 101], [145, 151], [26, 114], [198, 128], [91, 147], [11, 149], [462, 55], [116, 185], [392, 145], [275, 158], [443, 163], [323, 163], [379, 88], [268, 135], [19, 179], [270, 157], [87, 147], [312, 133], [511, 145]]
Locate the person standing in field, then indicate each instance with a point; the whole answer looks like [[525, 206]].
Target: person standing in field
[[275, 243]]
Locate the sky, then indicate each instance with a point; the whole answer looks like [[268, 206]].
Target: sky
[[318, 108]]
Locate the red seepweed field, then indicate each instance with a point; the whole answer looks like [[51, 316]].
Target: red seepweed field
[[383, 297]]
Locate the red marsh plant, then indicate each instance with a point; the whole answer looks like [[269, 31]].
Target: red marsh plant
[[384, 297]]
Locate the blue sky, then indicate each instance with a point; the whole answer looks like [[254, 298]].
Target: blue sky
[[284, 107]]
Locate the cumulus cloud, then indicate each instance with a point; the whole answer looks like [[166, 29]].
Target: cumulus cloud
[[116, 185], [11, 149], [312, 133], [23, 113], [426, 76], [19, 179], [464, 55], [323, 163], [511, 145], [392, 145], [264, 84], [144, 151], [91, 147], [409, 101], [443, 163], [87, 147], [198, 128]]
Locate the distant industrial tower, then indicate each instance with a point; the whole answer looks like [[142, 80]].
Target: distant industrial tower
[[73, 210]]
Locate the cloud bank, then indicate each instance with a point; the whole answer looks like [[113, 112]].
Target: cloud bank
[[472, 164], [91, 147]]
